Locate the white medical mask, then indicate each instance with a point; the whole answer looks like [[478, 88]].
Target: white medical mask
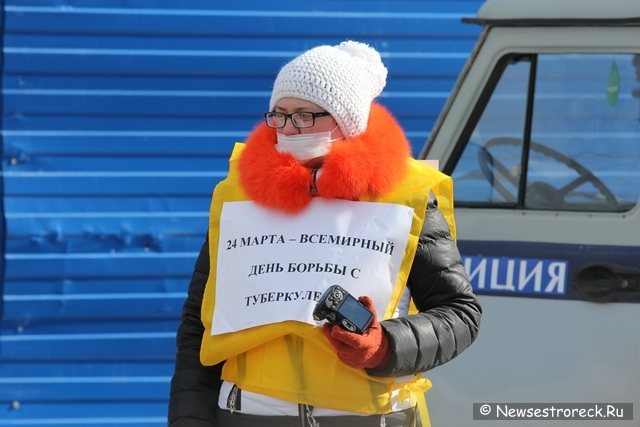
[[306, 146]]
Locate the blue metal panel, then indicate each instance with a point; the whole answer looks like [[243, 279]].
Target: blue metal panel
[[118, 119], [2, 200]]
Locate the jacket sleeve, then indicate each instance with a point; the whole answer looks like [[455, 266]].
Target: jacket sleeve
[[449, 313], [194, 388]]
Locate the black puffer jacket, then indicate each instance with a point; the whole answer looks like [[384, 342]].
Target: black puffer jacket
[[446, 325]]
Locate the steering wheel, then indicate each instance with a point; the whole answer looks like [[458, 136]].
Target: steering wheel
[[547, 194]]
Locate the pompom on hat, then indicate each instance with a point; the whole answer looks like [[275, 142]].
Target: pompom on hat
[[342, 79]]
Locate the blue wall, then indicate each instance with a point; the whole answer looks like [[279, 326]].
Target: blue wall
[[118, 118]]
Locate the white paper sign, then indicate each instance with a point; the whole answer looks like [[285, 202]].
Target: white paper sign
[[274, 267]]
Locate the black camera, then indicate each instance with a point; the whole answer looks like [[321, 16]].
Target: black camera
[[342, 309]]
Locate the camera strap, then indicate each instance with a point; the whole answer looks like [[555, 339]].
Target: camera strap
[[305, 416]]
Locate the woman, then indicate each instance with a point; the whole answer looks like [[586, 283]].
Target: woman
[[324, 192]]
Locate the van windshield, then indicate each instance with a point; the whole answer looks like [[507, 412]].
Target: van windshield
[[578, 136]]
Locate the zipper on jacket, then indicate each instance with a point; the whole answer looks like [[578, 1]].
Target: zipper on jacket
[[233, 401], [313, 188]]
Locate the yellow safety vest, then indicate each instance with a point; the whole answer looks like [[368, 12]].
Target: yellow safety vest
[[292, 360]]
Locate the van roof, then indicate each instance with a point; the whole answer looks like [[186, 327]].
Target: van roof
[[557, 12]]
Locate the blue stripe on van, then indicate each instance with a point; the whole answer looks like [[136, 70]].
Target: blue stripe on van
[[517, 275], [539, 270]]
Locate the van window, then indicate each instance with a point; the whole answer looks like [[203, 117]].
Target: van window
[[557, 131]]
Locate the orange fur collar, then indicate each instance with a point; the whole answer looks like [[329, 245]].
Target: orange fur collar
[[372, 163]]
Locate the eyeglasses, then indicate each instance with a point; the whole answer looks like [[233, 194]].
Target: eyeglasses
[[299, 120]]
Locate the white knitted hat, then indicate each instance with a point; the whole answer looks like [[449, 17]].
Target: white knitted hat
[[342, 79]]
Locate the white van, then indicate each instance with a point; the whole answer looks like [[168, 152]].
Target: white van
[[542, 137]]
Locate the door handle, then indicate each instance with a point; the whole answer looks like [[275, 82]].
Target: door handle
[[608, 283]]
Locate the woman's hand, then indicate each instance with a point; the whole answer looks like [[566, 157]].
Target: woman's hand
[[369, 350]]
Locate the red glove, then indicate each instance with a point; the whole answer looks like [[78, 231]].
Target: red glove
[[369, 350]]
